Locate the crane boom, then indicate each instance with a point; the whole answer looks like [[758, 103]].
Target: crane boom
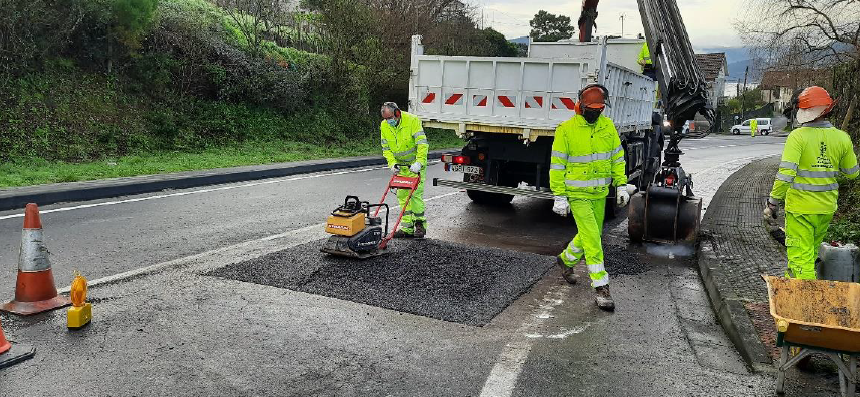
[[683, 87]]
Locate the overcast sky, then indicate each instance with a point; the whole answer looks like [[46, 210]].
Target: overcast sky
[[709, 22]]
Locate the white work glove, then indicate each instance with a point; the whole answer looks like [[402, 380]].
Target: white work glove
[[560, 205], [771, 209], [415, 167], [394, 169], [622, 196]]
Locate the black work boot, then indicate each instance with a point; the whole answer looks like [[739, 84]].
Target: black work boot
[[401, 234], [567, 272], [604, 299], [420, 231]]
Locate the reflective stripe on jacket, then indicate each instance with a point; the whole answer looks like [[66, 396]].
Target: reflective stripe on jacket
[[814, 156], [586, 159], [406, 143]]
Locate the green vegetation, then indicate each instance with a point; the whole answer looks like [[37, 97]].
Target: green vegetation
[[170, 85], [846, 223], [37, 171], [550, 27]]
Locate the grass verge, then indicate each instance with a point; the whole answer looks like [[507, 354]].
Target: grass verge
[[26, 172], [846, 224]]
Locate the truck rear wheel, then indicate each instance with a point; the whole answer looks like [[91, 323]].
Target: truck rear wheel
[[486, 198]]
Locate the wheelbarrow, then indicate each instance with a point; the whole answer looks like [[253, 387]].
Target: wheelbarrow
[[816, 316]]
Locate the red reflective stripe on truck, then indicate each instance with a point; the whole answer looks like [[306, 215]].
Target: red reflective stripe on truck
[[534, 102], [564, 103], [480, 100], [455, 99], [431, 96], [506, 101]]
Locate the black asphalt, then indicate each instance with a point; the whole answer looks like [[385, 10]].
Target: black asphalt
[[441, 280]]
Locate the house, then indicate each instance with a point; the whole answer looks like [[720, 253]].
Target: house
[[715, 68], [777, 86]]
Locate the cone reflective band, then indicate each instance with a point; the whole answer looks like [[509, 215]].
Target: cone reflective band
[[35, 291]]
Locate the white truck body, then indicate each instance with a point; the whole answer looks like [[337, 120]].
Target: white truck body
[[622, 52], [528, 96]]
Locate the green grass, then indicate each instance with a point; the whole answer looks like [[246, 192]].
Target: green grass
[[846, 224], [26, 172]]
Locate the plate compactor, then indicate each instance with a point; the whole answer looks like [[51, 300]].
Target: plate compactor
[[355, 233]]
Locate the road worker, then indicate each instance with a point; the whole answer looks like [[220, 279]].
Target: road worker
[[405, 147], [753, 127], [645, 62], [587, 160], [814, 155]]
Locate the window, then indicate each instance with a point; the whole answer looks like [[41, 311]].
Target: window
[[764, 122], [746, 123]]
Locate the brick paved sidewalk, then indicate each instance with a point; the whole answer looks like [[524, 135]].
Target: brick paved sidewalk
[[735, 250]]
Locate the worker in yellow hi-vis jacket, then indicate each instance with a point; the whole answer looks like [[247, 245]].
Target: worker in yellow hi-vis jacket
[[405, 147], [587, 160], [814, 155]]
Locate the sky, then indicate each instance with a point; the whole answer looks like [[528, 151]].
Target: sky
[[709, 22]]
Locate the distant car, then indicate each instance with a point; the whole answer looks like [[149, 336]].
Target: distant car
[[744, 128]]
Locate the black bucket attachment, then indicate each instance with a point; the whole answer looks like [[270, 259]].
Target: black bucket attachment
[[664, 215]]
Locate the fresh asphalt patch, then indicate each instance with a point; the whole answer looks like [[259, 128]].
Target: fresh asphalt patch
[[436, 279]]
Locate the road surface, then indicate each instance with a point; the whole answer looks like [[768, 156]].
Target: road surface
[[164, 325]]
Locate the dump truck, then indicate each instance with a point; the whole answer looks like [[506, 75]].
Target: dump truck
[[507, 110]]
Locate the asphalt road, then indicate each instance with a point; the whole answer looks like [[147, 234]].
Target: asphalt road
[[164, 326]]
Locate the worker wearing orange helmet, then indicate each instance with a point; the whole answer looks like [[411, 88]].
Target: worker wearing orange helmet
[[587, 160], [814, 155]]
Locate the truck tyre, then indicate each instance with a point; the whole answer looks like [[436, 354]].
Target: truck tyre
[[736, 131], [485, 198], [492, 199]]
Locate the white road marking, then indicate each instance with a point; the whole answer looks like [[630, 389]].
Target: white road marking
[[503, 376], [238, 247], [187, 193]]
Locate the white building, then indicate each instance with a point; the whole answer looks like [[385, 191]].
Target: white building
[[715, 69]]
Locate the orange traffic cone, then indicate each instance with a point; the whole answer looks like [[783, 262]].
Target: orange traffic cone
[[13, 354], [35, 291]]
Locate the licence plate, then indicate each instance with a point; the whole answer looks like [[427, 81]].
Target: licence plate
[[468, 169]]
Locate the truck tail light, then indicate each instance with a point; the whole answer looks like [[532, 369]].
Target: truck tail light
[[462, 160]]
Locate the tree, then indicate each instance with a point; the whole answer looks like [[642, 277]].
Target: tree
[[498, 45], [550, 27], [254, 18], [749, 100], [808, 34]]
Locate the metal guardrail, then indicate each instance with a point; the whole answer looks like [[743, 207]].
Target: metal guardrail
[[493, 189]]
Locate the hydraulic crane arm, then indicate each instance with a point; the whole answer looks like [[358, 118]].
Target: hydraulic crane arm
[[587, 19], [683, 88]]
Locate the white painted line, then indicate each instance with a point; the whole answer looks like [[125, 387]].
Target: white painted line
[[179, 261], [187, 193], [503, 376]]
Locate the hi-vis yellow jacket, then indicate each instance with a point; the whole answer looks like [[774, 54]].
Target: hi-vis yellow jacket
[[586, 159], [813, 157], [406, 143]]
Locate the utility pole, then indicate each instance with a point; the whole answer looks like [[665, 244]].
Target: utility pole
[[623, 15], [743, 96]]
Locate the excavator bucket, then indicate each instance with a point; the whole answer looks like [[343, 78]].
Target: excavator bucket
[[664, 215]]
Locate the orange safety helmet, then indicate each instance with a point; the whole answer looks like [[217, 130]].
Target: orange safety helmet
[[593, 96], [813, 103], [814, 96]]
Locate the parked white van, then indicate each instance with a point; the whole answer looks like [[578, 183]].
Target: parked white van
[[744, 128]]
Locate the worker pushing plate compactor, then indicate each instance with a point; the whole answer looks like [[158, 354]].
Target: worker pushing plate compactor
[[355, 233]]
